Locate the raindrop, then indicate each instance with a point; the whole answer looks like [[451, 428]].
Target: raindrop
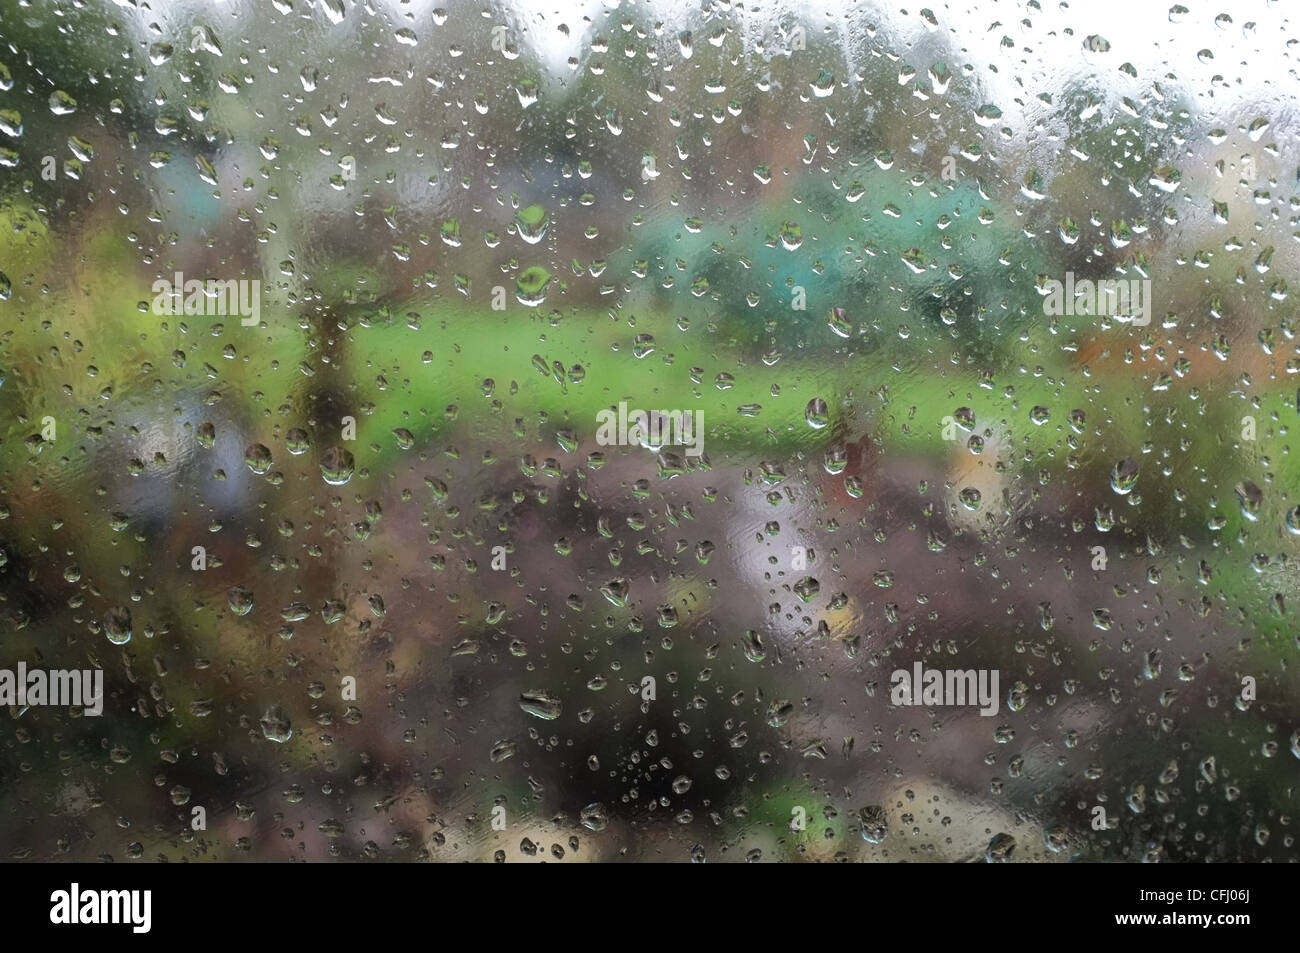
[[117, 625], [275, 725], [540, 705], [816, 413], [337, 466], [1124, 476]]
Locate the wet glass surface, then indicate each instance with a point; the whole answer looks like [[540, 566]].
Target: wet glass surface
[[624, 432]]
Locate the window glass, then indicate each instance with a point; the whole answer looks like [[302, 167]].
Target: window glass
[[635, 431]]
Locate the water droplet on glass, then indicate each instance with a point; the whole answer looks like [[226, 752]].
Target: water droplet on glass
[[337, 466], [540, 704]]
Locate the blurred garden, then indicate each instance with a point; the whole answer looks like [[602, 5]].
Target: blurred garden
[[363, 582]]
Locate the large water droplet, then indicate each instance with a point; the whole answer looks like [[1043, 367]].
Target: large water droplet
[[117, 625], [337, 466], [541, 705]]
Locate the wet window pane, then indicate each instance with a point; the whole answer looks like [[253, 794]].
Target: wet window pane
[[621, 431]]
